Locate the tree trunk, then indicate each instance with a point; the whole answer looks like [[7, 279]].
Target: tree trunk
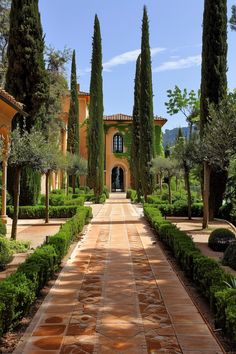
[[177, 183], [73, 183], [67, 183], [169, 189], [160, 183], [187, 183], [47, 199], [16, 202], [206, 193]]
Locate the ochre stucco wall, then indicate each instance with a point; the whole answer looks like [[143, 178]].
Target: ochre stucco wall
[[111, 160]]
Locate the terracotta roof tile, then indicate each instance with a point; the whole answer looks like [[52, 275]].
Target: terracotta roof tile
[[82, 93], [11, 99], [120, 116]]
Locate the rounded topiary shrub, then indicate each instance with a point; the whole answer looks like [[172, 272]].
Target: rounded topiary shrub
[[220, 239], [3, 229], [6, 254], [229, 258]]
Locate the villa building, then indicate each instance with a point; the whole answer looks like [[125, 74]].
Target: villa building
[[117, 142]]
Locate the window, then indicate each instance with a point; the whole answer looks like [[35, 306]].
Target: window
[[117, 143]]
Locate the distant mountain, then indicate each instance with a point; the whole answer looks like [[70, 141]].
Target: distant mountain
[[170, 135]]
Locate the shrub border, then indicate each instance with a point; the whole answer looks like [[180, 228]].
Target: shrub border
[[206, 273], [20, 289]]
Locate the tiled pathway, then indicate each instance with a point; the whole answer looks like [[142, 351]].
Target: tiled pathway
[[118, 295]]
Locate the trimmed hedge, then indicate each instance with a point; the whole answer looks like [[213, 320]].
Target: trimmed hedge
[[19, 290], [229, 258], [178, 208], [220, 239], [38, 211], [207, 274], [61, 199]]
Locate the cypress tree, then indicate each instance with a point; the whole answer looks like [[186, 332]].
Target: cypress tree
[[135, 142], [26, 79], [147, 147], [73, 120], [214, 82], [95, 177]]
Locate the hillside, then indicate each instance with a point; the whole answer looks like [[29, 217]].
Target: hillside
[[169, 135]]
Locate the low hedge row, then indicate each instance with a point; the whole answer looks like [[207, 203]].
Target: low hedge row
[[61, 199], [207, 274], [20, 289], [38, 211], [178, 208]]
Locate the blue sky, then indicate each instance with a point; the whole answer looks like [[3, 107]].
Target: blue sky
[[175, 39]]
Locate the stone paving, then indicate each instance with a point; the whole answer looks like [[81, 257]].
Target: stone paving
[[118, 294]]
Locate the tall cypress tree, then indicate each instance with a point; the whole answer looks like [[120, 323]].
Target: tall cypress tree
[[26, 79], [95, 177], [135, 143], [73, 120], [147, 148], [214, 81]]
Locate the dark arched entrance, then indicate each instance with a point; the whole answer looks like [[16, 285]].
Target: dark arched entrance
[[117, 179]]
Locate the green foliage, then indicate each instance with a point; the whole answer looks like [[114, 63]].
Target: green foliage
[[30, 186], [5, 253], [214, 82], [147, 143], [185, 102], [220, 239], [73, 120], [19, 290], [132, 194], [3, 228], [95, 177], [18, 246], [5, 6], [135, 132], [178, 208], [61, 199], [159, 149], [225, 308], [229, 258], [206, 273], [38, 212], [26, 77]]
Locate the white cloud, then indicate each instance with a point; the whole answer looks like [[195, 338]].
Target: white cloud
[[127, 57], [179, 64]]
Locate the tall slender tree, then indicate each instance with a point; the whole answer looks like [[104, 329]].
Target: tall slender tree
[[213, 90], [147, 148], [26, 78], [95, 178], [73, 121], [135, 144]]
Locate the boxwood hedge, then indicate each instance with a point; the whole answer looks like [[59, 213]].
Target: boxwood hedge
[[206, 273]]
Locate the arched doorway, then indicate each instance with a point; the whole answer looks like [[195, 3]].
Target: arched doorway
[[117, 179]]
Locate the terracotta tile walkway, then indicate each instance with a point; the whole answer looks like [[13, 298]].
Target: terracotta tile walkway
[[118, 295]]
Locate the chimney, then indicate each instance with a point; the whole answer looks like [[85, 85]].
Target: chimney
[[78, 87]]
